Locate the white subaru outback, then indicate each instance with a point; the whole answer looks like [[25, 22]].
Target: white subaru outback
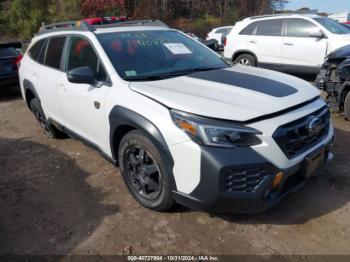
[[182, 125]]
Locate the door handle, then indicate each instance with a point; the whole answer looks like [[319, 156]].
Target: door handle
[[288, 43], [253, 41]]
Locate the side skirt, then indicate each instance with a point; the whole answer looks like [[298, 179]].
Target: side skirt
[[85, 141]]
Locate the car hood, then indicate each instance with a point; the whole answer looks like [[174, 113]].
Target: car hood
[[340, 53], [239, 93]]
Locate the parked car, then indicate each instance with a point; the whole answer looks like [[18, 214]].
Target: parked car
[[10, 56], [212, 44], [334, 79], [182, 124], [292, 43], [217, 33], [340, 17]]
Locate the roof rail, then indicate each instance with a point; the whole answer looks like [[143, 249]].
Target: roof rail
[[274, 15], [85, 26], [64, 26], [277, 15], [150, 22]]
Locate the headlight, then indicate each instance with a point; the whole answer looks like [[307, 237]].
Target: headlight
[[214, 132]]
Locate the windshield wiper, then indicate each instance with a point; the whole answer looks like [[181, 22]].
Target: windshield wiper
[[146, 78], [171, 74]]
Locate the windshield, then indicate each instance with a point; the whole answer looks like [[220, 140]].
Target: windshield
[[333, 26], [159, 54]]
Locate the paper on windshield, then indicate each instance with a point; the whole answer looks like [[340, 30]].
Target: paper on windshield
[[178, 48]]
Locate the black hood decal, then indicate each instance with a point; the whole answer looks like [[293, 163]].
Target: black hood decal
[[247, 81]]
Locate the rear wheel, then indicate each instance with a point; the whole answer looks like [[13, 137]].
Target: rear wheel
[[246, 59], [49, 129], [144, 172], [347, 106]]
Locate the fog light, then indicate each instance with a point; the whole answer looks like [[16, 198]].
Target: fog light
[[278, 179]]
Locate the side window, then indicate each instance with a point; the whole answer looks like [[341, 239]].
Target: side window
[[54, 52], [81, 53], [222, 31], [271, 27], [41, 57], [34, 52], [300, 28], [250, 29]]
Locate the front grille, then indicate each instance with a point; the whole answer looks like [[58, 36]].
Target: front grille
[[295, 138], [243, 180]]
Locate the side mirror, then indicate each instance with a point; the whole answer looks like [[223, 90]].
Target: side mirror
[[317, 34], [81, 75]]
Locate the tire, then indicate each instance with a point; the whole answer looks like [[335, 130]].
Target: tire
[[347, 106], [49, 129], [144, 172], [246, 59]]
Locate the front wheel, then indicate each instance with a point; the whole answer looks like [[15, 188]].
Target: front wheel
[[144, 172], [347, 106]]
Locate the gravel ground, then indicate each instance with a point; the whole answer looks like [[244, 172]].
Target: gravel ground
[[59, 197]]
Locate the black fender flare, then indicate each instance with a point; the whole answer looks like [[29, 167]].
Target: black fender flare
[[120, 117], [27, 85]]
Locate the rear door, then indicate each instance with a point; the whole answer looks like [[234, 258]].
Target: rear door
[[266, 42], [83, 105], [300, 49], [46, 76]]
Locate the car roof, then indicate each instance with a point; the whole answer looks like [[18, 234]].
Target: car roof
[[264, 17], [129, 28]]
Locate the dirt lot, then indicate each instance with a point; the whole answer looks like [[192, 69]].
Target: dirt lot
[[60, 197]]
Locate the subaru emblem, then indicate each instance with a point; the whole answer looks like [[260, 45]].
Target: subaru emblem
[[315, 125]]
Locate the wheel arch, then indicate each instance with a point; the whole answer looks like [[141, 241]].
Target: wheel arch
[[244, 51], [29, 92], [123, 120]]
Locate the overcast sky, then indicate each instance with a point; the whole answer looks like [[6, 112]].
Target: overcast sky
[[329, 6]]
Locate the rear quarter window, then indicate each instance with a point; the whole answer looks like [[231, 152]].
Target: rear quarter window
[[54, 52], [35, 50], [250, 29]]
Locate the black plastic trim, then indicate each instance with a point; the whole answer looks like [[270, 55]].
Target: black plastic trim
[[121, 116], [82, 139], [27, 85], [282, 112], [209, 195]]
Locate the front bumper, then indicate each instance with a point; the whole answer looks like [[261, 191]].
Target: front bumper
[[242, 181]]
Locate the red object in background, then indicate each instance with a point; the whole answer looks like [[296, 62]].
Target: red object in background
[[105, 20], [347, 23], [17, 60]]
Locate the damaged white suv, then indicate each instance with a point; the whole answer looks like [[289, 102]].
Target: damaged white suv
[[182, 125]]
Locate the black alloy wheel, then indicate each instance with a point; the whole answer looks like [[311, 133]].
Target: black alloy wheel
[[143, 172]]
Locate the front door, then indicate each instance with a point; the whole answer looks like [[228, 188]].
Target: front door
[[300, 48], [83, 104]]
